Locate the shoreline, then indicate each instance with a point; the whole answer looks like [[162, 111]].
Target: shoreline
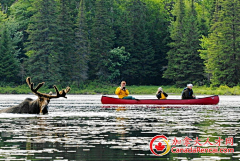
[[134, 90]]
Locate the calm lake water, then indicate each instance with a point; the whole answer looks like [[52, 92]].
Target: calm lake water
[[81, 128]]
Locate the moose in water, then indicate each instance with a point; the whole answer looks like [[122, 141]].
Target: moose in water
[[38, 106]]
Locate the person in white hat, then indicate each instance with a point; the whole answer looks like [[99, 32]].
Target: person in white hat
[[187, 93], [160, 94]]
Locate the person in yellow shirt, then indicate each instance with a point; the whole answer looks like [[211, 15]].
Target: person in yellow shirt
[[123, 92], [160, 94]]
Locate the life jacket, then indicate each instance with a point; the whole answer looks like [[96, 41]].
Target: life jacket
[[184, 90], [162, 96]]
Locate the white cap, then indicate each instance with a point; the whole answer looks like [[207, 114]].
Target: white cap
[[160, 88], [189, 85]]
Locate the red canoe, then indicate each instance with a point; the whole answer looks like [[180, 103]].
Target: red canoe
[[212, 100]]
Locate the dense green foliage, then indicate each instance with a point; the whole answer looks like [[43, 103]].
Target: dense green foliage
[[222, 46], [9, 69], [81, 53], [145, 42], [102, 36], [42, 46], [184, 63]]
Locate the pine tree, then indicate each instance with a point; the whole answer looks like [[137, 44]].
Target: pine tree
[[184, 63], [101, 40], [81, 54], [195, 70], [42, 48], [65, 42], [223, 44], [125, 37], [158, 21], [20, 13], [9, 66], [205, 10], [175, 54], [2, 17], [139, 69]]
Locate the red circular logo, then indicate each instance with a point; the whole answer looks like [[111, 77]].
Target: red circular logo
[[160, 147]]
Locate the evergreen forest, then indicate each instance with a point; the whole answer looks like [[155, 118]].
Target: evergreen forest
[[144, 42]]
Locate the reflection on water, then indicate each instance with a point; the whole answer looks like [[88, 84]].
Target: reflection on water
[[81, 128]]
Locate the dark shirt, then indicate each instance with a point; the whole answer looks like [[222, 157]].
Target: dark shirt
[[159, 94], [187, 94]]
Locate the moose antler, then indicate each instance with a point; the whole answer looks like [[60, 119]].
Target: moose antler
[[62, 93]]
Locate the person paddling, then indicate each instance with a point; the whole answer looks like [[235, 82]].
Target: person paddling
[[161, 94], [188, 92], [123, 92]]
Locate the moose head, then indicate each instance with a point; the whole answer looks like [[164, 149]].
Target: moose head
[[44, 99], [38, 106]]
